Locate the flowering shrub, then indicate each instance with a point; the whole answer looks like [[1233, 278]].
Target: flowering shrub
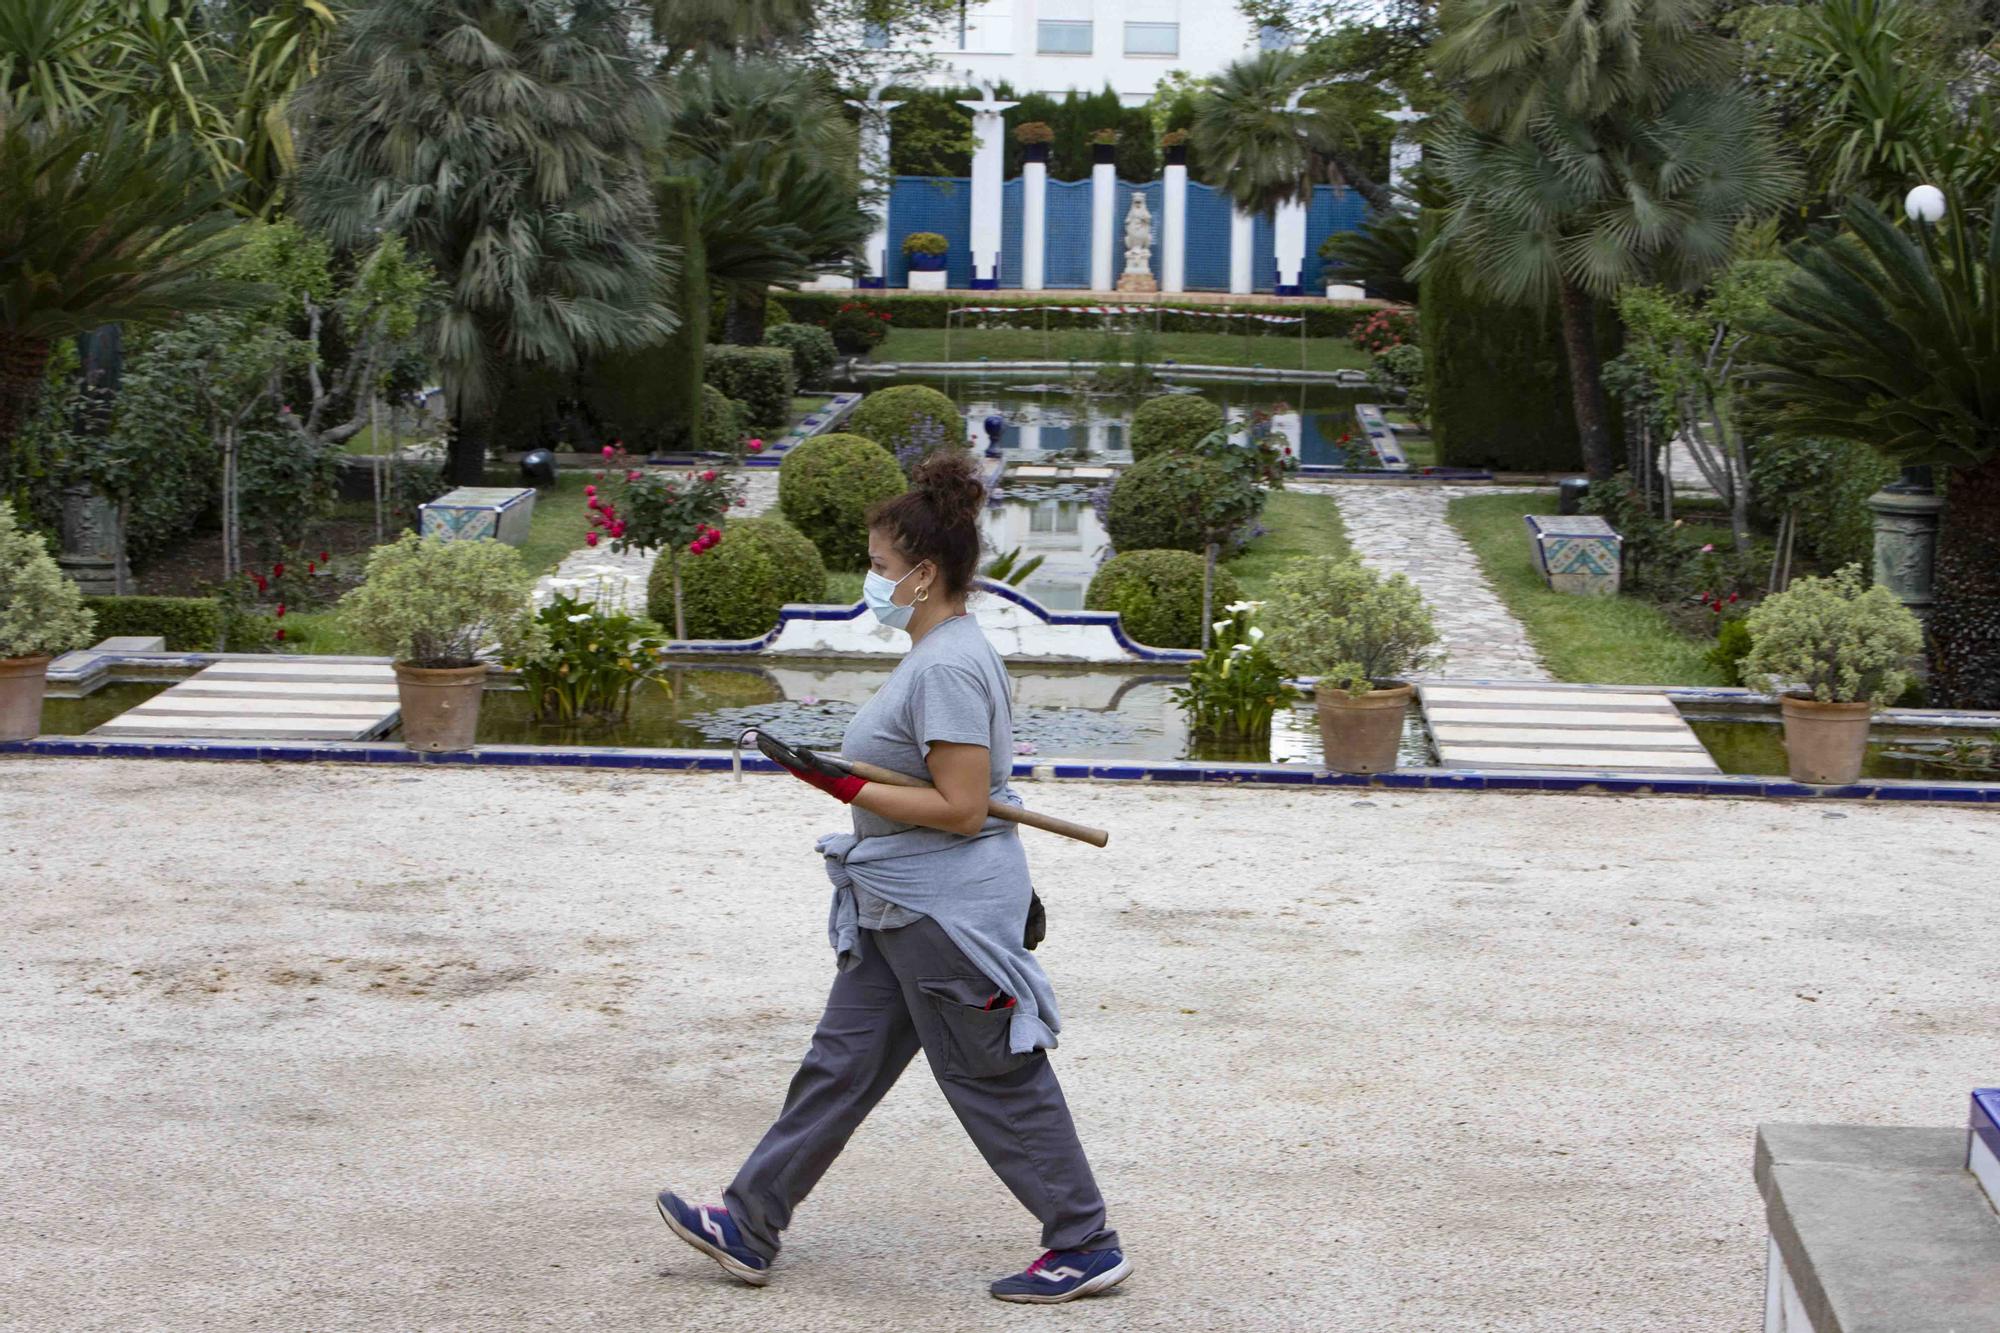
[[1385, 329], [858, 327], [651, 511], [586, 662], [1234, 690]]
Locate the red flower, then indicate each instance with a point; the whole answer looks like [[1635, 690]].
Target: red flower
[[633, 475], [262, 586], [618, 529], [310, 567], [281, 609], [590, 490], [324, 557], [609, 451], [755, 446], [277, 571], [708, 475], [590, 539], [740, 502], [1734, 595], [281, 634]]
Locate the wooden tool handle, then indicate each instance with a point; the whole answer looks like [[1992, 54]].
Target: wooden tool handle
[[999, 809]]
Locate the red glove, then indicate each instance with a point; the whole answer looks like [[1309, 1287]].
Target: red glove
[[806, 766]]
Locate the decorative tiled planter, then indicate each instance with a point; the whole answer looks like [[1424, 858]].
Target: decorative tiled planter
[[1577, 553], [472, 512]]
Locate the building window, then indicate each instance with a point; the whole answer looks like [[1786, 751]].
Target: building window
[[1062, 37], [1152, 39], [875, 35]]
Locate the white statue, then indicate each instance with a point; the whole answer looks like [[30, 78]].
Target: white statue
[[1138, 276]]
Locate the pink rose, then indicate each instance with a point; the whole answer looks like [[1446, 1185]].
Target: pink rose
[[590, 539], [755, 446], [1706, 549], [590, 490], [618, 529], [609, 451], [709, 475], [633, 475]]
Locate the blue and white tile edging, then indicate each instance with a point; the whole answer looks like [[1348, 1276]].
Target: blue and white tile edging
[[1982, 1142], [838, 408]]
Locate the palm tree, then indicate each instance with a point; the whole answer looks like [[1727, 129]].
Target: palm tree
[[504, 138], [97, 226], [775, 165], [1895, 343], [1265, 155], [1596, 147]]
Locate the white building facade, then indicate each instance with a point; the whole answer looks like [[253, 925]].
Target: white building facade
[[1054, 46]]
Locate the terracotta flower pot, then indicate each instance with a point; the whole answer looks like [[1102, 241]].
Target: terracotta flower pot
[[1825, 743], [1362, 735], [440, 705], [22, 683]]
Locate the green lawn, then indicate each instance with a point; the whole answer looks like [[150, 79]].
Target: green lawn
[[1275, 350], [1597, 640], [1298, 524], [558, 525]]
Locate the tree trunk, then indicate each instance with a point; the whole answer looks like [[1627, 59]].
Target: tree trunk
[[465, 465], [680, 616], [1965, 617], [1207, 595], [1586, 381], [23, 363], [745, 324]]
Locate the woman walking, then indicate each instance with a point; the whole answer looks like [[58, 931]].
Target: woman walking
[[931, 904]]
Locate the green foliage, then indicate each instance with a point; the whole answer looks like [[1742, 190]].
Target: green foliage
[[1376, 255], [586, 661], [826, 486], [651, 397], [41, 611], [925, 243], [760, 378], [930, 134], [188, 624], [430, 602], [1181, 502], [1825, 485], [1399, 372], [908, 416], [855, 326], [737, 590], [812, 349], [922, 310], [1384, 329], [1834, 639], [1236, 686], [1261, 154], [1732, 645], [1008, 567], [1172, 422], [1339, 620], [1157, 595], [724, 422]]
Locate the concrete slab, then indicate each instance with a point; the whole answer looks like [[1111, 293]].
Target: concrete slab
[[1557, 738], [253, 706], [1556, 718], [1505, 726], [1545, 756], [1492, 696], [278, 699]]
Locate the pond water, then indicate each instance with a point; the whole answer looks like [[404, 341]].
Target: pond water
[[1061, 524], [74, 717], [1758, 747], [1045, 419]]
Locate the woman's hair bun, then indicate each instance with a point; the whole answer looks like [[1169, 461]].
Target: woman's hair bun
[[950, 480]]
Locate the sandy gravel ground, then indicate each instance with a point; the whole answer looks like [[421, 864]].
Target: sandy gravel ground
[[296, 1048]]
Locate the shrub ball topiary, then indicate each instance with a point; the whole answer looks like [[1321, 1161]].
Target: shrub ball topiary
[[1156, 504], [1172, 421], [722, 421], [909, 416], [734, 590], [761, 378], [812, 349], [1157, 595], [826, 485]]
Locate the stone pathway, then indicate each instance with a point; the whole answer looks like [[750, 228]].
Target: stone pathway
[[618, 582], [1402, 530]]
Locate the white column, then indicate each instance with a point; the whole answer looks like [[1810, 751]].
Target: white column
[[1034, 224], [1173, 229], [875, 171], [1240, 233], [1031, 437], [988, 160], [1289, 228], [1103, 207]]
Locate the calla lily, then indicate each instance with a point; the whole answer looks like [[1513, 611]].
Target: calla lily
[[579, 618], [1255, 633], [1219, 626]]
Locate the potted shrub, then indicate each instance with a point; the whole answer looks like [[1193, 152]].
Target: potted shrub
[[1832, 649], [41, 614], [1360, 634], [1034, 137], [431, 605], [1174, 143], [925, 253]]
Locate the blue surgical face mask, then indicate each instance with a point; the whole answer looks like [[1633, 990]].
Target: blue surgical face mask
[[876, 590]]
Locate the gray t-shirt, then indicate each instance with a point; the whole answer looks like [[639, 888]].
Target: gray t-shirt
[[950, 686]]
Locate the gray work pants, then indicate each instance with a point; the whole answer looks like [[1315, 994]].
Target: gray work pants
[[914, 988]]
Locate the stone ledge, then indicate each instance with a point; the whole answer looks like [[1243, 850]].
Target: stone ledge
[[1879, 1229]]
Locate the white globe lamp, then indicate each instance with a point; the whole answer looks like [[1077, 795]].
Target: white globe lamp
[[1924, 203]]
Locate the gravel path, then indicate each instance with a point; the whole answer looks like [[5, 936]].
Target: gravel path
[[1402, 530], [619, 581], [319, 1048]]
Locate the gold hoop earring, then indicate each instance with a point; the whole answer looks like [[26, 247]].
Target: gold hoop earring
[[923, 593]]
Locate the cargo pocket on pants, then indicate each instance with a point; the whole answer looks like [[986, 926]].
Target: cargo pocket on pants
[[975, 1037]]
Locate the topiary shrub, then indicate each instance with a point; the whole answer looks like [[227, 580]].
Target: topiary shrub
[[1157, 595], [1172, 421], [760, 378], [735, 590], [825, 487], [910, 421], [723, 423], [188, 624], [1156, 504], [812, 349]]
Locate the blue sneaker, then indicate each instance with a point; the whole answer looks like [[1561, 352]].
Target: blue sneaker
[[1064, 1275], [710, 1229]]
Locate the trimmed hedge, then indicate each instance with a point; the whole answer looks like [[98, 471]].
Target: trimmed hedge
[[189, 624], [908, 415], [919, 310], [1157, 595], [1150, 501], [812, 349], [723, 422], [825, 487], [760, 378], [1172, 421], [651, 398], [735, 590]]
